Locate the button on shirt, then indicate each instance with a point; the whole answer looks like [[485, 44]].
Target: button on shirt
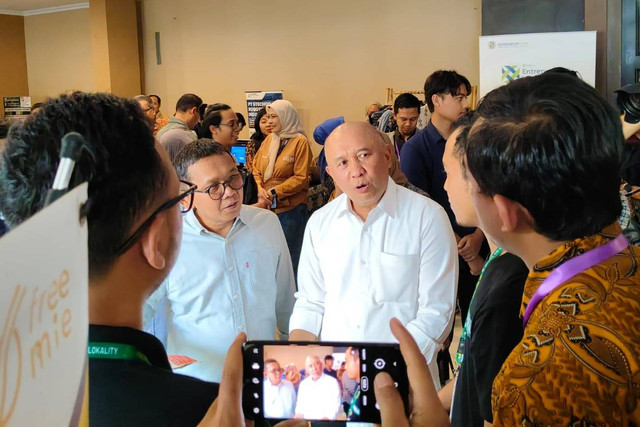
[[279, 400], [220, 287], [354, 276]]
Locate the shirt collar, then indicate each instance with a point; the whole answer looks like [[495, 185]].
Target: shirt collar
[[386, 204], [560, 255], [192, 223], [433, 134], [149, 345]]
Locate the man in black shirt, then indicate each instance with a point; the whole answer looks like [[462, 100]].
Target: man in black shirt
[[492, 327], [133, 212]]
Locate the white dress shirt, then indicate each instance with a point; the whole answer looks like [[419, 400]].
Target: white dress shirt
[[220, 287], [279, 400], [319, 399], [354, 276]]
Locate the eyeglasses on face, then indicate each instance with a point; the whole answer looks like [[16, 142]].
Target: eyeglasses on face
[[216, 191], [233, 125], [186, 192]]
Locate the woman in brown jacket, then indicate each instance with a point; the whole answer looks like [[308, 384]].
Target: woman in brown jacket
[[281, 170]]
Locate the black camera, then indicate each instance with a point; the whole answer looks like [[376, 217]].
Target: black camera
[[629, 102]]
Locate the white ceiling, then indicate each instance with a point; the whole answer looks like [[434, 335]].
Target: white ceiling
[[28, 5]]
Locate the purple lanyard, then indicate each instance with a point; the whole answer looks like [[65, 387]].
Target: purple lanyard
[[572, 268]]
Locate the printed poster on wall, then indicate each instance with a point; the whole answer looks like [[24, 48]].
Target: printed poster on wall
[[505, 58], [44, 318], [258, 99]]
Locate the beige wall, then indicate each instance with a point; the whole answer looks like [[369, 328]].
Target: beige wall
[[13, 72], [331, 58], [58, 53]]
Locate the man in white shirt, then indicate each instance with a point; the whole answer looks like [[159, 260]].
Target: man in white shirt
[[233, 273], [319, 393], [377, 251], [279, 394]]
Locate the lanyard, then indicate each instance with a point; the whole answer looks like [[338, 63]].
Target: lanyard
[[572, 268], [466, 329], [109, 350]]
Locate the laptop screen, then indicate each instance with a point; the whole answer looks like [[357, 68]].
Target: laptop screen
[[239, 152]]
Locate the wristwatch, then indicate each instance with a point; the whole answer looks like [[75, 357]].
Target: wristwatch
[[274, 199]]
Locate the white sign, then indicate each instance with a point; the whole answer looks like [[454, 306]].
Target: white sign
[[44, 317], [506, 58]]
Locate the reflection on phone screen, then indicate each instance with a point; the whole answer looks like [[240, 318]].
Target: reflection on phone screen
[[312, 382]]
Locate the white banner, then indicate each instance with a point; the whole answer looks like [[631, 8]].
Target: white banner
[[505, 58], [44, 317]]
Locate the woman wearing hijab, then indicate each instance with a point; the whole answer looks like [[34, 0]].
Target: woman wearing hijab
[[281, 170]]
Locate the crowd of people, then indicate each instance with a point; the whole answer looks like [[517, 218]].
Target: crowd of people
[[511, 211]]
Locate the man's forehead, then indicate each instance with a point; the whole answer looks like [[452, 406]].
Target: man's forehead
[[353, 136]]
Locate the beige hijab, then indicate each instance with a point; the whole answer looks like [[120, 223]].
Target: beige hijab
[[291, 127]]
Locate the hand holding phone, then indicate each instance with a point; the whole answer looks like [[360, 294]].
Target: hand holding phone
[[426, 409]]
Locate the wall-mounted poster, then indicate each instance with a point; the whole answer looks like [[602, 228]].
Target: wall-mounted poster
[[505, 58], [256, 100]]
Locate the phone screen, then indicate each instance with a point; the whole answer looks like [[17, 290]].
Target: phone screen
[[313, 381]]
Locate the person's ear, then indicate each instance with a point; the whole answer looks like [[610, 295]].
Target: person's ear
[[436, 100], [387, 155], [512, 214], [213, 129], [328, 170], [150, 243]]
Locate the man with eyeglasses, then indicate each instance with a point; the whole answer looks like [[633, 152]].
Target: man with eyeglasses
[[147, 108], [279, 394], [133, 212], [233, 273]]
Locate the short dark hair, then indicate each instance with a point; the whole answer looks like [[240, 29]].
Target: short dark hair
[[158, 98], [328, 357], [463, 124], [202, 108], [212, 117], [187, 102], [194, 151], [554, 145], [119, 161], [443, 82], [258, 136], [406, 100], [241, 119], [564, 71], [266, 362]]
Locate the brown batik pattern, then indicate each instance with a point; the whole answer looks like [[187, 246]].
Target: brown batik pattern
[[578, 363]]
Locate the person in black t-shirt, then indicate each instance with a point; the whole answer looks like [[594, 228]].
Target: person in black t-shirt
[[492, 327], [133, 212]]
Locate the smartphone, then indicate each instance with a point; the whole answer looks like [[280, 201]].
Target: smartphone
[[318, 381]]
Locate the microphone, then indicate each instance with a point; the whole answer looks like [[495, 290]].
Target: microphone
[[72, 144]]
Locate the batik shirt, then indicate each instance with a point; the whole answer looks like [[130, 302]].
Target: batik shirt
[[579, 359]]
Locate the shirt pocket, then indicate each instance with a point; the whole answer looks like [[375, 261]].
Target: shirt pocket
[[398, 278], [262, 265]]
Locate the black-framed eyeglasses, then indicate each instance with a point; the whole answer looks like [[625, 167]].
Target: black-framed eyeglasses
[[233, 125], [186, 191], [216, 191]]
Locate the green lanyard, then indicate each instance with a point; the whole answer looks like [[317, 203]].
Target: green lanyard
[[110, 350], [466, 330]]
